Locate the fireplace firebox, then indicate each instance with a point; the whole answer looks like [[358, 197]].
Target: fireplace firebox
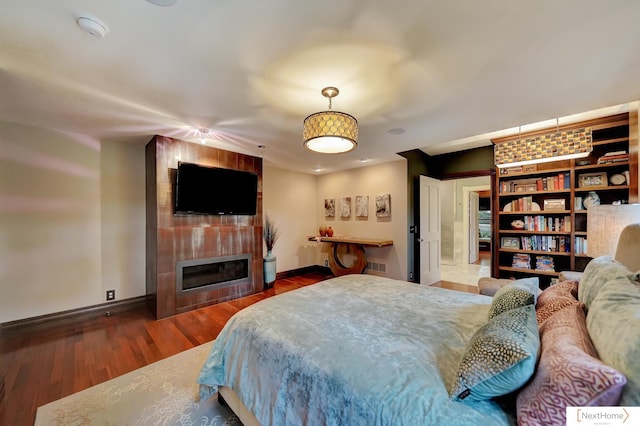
[[213, 273]]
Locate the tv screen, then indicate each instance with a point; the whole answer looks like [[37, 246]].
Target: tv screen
[[215, 191]]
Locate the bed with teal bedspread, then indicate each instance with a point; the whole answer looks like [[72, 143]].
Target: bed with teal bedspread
[[356, 350]]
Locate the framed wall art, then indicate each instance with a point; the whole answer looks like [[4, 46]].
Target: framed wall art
[[383, 205], [329, 207], [345, 207], [362, 206]]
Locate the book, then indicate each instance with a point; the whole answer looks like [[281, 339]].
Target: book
[[605, 159], [545, 263], [612, 153], [521, 260]]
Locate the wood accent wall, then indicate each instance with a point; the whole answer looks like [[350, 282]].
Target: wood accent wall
[[174, 238]]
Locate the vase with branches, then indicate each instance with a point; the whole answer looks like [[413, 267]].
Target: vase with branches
[[270, 234]]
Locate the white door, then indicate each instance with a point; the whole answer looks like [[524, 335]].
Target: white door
[[474, 232], [429, 230]]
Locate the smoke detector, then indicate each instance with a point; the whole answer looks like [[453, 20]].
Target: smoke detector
[[92, 25]]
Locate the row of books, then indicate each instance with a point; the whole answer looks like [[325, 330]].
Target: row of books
[[548, 183], [552, 183], [550, 243], [523, 261], [524, 204], [614, 157], [580, 245], [547, 223]]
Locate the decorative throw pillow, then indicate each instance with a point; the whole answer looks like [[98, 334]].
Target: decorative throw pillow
[[568, 374], [519, 293], [598, 272], [500, 357], [556, 297], [562, 289], [613, 322]]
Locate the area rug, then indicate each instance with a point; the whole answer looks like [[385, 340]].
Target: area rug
[[162, 393]]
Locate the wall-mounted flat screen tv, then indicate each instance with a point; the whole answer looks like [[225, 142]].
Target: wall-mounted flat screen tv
[[215, 191]]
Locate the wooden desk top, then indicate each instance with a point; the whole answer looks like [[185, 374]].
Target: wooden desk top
[[353, 240]]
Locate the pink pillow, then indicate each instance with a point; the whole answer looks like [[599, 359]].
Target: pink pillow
[[556, 297], [568, 374]]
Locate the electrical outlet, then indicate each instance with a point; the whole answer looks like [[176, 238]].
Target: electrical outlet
[[411, 276], [326, 262], [111, 294]]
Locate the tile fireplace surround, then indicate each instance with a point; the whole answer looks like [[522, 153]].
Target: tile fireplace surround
[[172, 239]]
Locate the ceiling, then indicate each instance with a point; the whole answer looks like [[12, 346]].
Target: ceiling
[[436, 75]]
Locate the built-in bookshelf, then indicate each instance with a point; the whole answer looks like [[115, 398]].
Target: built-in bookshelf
[[540, 224]]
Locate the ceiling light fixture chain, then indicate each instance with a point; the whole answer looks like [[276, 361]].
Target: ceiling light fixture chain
[[330, 92]]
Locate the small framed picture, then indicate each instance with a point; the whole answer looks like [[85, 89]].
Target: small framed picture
[[510, 242], [592, 179], [531, 187], [554, 204], [511, 170], [529, 168]]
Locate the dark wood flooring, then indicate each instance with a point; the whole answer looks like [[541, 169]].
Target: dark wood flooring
[[41, 365]]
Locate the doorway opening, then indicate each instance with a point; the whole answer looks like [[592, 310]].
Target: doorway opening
[[466, 229]]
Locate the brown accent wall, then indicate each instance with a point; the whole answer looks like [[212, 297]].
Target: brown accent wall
[[174, 238]]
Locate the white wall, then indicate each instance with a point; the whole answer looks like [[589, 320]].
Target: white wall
[[390, 178], [290, 199], [71, 221], [296, 202], [49, 222], [122, 219]]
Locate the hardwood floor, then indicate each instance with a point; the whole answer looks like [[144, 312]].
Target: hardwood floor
[[48, 363], [52, 362]]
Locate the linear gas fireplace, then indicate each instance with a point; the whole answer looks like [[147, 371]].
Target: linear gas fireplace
[[211, 274]]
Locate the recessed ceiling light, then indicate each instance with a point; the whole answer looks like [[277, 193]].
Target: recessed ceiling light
[[163, 3], [92, 25], [397, 131]]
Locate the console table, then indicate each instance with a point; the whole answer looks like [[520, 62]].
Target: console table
[[355, 246]]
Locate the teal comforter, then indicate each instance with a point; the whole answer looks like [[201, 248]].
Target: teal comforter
[[353, 350]]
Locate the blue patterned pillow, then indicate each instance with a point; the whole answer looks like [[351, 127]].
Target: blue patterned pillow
[[519, 293], [500, 357]]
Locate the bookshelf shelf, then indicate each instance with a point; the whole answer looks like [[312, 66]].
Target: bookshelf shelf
[[530, 271]]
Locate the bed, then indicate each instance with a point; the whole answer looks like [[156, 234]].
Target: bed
[[356, 349]]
